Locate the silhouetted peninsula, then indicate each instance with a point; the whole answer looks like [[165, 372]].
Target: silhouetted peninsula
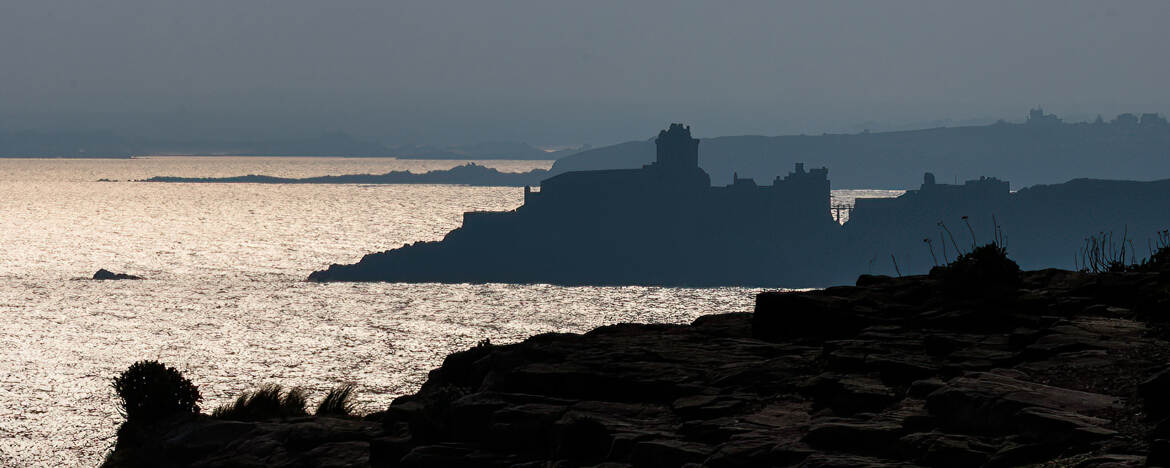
[[467, 174], [660, 224], [664, 224], [1043, 150]]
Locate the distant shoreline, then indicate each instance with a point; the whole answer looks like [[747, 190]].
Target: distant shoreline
[[467, 174]]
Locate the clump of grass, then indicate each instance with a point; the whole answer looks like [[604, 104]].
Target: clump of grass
[[267, 402], [150, 390], [1102, 253], [339, 401], [999, 238]]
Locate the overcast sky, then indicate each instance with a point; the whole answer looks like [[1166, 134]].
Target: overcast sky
[[553, 72]]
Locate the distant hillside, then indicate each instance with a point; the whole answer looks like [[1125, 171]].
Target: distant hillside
[[1043, 150], [326, 144]]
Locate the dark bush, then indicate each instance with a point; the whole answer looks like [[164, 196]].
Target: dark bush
[[267, 402], [339, 402], [1159, 259], [150, 390], [985, 269]]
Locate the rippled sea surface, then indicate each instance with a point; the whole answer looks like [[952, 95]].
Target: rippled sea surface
[[225, 298]]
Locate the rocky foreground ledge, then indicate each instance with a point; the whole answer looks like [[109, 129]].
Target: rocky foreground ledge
[[1065, 370]]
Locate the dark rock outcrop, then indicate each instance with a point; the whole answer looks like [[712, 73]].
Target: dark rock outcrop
[[1065, 370], [104, 274]]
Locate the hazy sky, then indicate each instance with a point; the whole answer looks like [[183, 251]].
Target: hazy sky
[[552, 72]]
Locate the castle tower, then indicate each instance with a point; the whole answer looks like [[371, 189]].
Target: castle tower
[[676, 148]]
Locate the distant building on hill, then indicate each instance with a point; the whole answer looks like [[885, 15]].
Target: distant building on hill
[[1038, 117], [675, 176]]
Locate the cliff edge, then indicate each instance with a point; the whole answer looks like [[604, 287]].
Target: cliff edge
[[1062, 366]]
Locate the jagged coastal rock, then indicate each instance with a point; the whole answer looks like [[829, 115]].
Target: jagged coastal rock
[[1065, 367], [104, 274]]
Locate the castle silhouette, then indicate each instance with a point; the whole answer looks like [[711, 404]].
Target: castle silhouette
[[673, 181], [662, 223]]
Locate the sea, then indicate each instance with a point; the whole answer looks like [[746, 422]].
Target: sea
[[225, 299]]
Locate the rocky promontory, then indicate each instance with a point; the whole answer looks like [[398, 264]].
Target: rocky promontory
[[1055, 367]]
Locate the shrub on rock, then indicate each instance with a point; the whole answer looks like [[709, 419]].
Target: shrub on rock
[[1159, 260], [985, 269], [150, 390]]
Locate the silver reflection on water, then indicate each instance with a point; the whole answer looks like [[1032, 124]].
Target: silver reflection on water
[[225, 299]]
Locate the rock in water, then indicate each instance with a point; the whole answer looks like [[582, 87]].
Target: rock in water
[[104, 274]]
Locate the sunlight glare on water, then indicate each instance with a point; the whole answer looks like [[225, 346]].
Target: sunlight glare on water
[[225, 298]]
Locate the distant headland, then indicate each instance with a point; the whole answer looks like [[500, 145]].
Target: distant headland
[[665, 224], [467, 174]]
